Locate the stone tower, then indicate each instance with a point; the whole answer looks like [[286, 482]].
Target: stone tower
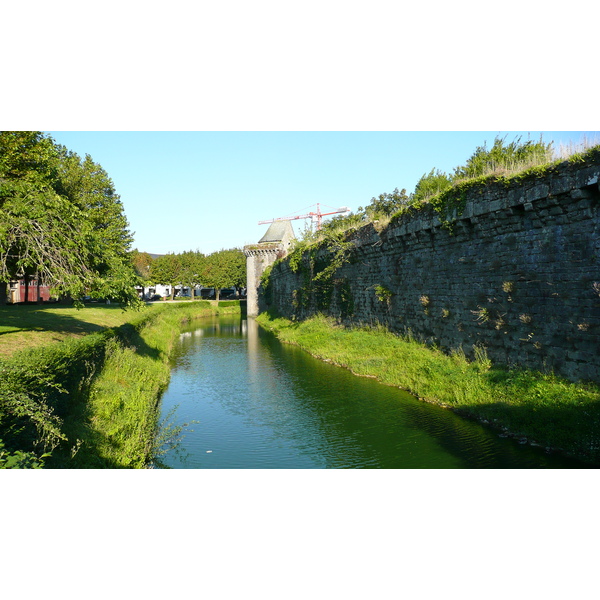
[[275, 244]]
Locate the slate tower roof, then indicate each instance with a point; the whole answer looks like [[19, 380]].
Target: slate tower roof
[[279, 231]]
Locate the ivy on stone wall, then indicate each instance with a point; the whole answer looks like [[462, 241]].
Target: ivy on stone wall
[[345, 297], [317, 264]]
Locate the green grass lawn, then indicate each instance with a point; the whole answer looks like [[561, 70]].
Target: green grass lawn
[[29, 326]]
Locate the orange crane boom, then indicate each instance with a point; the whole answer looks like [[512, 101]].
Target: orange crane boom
[[313, 216]]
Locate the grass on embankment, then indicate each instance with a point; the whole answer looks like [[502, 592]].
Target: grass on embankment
[[542, 408], [29, 326], [94, 402]]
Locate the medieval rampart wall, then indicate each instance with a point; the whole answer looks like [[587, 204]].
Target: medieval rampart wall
[[517, 272]]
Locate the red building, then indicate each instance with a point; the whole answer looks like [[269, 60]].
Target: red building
[[28, 289]]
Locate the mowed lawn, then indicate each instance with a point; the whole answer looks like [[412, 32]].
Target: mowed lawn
[[30, 326]]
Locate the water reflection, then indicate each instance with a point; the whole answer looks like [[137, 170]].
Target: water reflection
[[262, 404]]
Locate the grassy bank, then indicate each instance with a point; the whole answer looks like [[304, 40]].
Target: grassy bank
[[93, 402], [23, 327], [538, 408]]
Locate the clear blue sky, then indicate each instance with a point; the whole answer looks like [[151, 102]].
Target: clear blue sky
[[208, 190]]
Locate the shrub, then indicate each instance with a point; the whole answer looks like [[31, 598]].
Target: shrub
[[503, 157], [430, 185], [386, 205], [20, 459]]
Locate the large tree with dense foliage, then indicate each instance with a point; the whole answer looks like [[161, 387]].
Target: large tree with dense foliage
[[61, 220]]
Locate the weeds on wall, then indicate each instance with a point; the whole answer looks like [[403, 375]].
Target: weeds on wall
[[383, 294], [345, 298], [317, 263]]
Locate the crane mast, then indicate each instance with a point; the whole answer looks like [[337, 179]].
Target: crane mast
[[315, 217]]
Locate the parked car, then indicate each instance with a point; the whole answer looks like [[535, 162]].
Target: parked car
[[89, 299]]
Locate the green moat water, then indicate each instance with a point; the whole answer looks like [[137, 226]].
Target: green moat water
[[260, 404]]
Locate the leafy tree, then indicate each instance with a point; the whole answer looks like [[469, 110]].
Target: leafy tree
[[141, 262], [225, 268], [62, 220], [167, 270], [38, 229], [386, 204], [89, 187], [237, 266], [192, 266]]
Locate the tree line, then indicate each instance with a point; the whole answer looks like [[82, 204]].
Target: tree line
[[221, 269]]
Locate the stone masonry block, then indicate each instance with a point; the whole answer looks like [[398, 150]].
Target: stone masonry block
[[537, 192]]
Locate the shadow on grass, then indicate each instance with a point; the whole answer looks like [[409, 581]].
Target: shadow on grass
[[36, 318], [22, 330], [57, 378], [77, 421], [130, 335]]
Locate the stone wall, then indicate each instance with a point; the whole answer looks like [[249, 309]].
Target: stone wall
[[518, 272]]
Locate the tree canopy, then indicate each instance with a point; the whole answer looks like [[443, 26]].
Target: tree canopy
[[431, 184], [225, 268], [62, 220], [141, 262], [167, 270], [192, 268], [386, 204]]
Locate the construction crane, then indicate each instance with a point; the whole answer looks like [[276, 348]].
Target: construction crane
[[315, 217]]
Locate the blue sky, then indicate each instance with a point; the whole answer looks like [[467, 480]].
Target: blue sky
[[208, 190]]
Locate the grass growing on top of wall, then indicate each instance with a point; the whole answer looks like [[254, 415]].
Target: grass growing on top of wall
[[93, 402], [508, 166], [540, 408]]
